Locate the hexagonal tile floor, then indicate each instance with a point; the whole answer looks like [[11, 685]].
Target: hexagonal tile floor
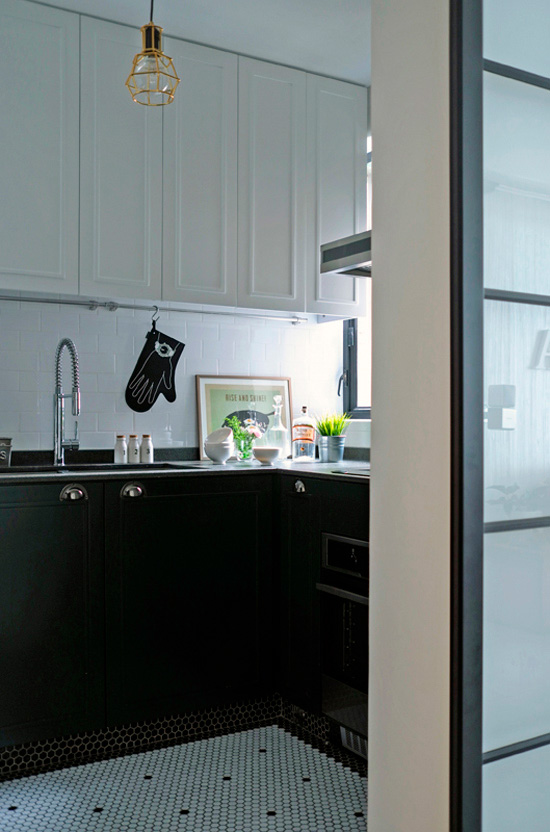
[[263, 780]]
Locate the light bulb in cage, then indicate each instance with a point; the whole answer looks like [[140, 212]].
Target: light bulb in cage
[[153, 79]]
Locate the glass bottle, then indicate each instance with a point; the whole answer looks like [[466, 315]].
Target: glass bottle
[[277, 433], [303, 437]]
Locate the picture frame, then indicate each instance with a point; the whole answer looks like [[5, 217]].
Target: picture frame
[[221, 396]]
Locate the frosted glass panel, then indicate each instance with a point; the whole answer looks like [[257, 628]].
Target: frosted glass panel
[[516, 793], [517, 34], [516, 637], [517, 437], [516, 185]]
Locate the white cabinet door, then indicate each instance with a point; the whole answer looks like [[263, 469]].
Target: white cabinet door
[[121, 171], [200, 178], [39, 140], [337, 187], [272, 220]]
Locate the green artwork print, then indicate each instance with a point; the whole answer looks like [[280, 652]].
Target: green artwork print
[[251, 401]]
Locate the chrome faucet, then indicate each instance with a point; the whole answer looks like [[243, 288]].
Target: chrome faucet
[[60, 443]]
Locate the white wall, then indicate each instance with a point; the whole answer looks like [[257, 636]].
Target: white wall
[[109, 344], [410, 452]]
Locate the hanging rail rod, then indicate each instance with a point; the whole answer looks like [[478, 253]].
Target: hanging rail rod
[[112, 306]]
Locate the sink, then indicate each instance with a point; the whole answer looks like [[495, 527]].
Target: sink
[[92, 467]]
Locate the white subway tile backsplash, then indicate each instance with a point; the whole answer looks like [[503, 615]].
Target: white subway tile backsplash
[[96, 363], [116, 422], [11, 359], [9, 424], [19, 402], [32, 382], [217, 349], [109, 344], [90, 382], [21, 320]]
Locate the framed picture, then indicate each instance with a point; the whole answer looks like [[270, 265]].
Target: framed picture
[[252, 400]]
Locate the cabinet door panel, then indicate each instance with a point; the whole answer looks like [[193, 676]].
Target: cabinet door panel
[[51, 613], [337, 187], [272, 227], [39, 137], [300, 627], [121, 171], [187, 606], [200, 178]]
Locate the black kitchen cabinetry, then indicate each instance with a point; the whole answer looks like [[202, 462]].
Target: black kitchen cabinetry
[[51, 610], [135, 599], [188, 593], [311, 509]]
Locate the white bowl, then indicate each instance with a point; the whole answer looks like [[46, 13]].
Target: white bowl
[[219, 452], [266, 455], [220, 435]]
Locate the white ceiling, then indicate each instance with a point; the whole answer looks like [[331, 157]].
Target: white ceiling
[[330, 37]]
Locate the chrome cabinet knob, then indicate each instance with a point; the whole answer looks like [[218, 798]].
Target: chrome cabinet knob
[[132, 489], [299, 486], [73, 492]]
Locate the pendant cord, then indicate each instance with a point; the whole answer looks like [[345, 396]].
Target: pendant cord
[[152, 4]]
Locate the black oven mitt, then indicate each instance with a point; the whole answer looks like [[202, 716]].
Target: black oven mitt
[[154, 371]]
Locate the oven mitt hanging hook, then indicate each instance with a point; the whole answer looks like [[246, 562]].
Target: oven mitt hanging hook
[[154, 371]]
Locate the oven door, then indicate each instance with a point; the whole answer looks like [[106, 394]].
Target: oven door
[[344, 656]]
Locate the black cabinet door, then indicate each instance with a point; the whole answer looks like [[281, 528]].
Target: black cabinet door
[[51, 612], [310, 507], [188, 594], [299, 608]]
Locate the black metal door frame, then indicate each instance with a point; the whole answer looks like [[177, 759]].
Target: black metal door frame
[[466, 150]]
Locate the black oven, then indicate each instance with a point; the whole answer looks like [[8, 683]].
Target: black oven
[[344, 604]]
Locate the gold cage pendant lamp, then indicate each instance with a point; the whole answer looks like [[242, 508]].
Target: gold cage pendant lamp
[[153, 79]]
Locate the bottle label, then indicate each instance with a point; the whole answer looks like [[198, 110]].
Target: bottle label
[[303, 433]]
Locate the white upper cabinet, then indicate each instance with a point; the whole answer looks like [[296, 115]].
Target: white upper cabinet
[[121, 171], [337, 188], [39, 97], [272, 219], [200, 177], [221, 198]]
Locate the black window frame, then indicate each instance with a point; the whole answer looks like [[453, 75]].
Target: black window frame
[[348, 379]]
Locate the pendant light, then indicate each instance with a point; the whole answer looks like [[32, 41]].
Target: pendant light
[[153, 79]]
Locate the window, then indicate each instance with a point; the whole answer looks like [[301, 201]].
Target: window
[[355, 383], [356, 377]]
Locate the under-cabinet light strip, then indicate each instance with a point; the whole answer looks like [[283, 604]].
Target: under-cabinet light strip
[[112, 306]]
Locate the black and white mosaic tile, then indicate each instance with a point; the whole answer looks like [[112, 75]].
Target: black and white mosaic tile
[[259, 780]]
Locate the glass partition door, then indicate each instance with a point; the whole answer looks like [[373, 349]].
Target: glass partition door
[[516, 594]]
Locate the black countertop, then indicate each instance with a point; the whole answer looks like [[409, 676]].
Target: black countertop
[[348, 469]]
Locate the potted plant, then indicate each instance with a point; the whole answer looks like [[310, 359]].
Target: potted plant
[[331, 429]]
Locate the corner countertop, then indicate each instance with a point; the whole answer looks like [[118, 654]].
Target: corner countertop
[[357, 471]]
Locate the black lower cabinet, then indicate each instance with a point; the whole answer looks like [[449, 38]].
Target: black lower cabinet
[[135, 599], [189, 607], [299, 610], [51, 611], [319, 516]]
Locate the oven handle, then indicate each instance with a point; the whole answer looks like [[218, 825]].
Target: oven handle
[[343, 593]]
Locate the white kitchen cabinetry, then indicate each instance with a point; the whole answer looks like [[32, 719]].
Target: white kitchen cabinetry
[[222, 198], [121, 171], [39, 139], [272, 180], [337, 188], [200, 178]]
